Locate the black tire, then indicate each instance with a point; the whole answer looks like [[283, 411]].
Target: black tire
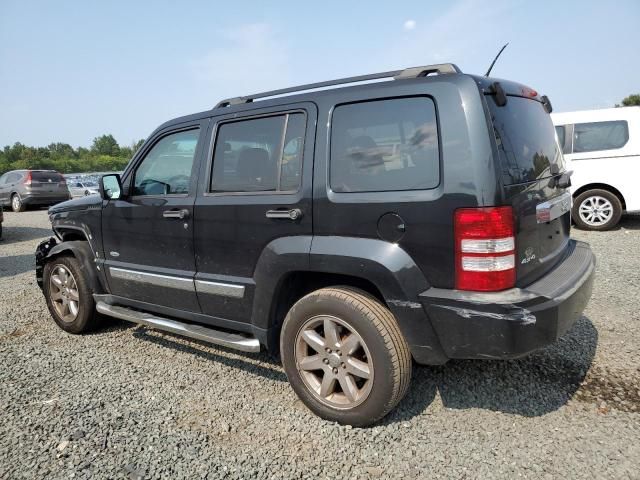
[[16, 203], [390, 358], [585, 198], [86, 318]]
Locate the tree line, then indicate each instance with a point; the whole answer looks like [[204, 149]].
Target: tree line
[[104, 155]]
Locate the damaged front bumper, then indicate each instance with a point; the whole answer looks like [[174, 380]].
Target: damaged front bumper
[[513, 322], [42, 252]]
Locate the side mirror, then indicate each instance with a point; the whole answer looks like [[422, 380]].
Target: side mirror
[[110, 187]]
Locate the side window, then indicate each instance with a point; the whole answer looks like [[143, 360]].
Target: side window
[[13, 178], [3, 179], [560, 131], [259, 154], [166, 170], [590, 137], [384, 145]]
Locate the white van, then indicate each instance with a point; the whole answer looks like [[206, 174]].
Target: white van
[[602, 147]]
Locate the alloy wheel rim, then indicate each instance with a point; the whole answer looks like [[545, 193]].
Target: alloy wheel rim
[[334, 362], [595, 211], [16, 202], [63, 291]]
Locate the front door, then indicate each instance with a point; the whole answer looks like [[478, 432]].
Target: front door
[[148, 234], [256, 189]]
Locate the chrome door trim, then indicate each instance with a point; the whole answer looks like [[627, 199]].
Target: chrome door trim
[[152, 279], [218, 288]]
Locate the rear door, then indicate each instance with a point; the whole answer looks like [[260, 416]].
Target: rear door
[[530, 163], [255, 189], [3, 188]]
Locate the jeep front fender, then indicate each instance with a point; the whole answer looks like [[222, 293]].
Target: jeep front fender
[[81, 250]]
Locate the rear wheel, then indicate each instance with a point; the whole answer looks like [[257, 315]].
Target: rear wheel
[[16, 203], [345, 356], [596, 210], [68, 295]]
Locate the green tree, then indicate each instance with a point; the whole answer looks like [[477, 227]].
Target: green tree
[[105, 145], [630, 101]]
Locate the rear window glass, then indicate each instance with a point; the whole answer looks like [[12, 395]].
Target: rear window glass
[[259, 154], [386, 145], [590, 137], [526, 139], [46, 177]]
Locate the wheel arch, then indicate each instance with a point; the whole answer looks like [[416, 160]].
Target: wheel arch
[[81, 250], [601, 186], [379, 268]]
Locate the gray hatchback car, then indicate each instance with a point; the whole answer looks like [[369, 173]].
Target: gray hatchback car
[[22, 188]]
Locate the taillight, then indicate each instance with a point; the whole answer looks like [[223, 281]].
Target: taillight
[[27, 179], [485, 249]]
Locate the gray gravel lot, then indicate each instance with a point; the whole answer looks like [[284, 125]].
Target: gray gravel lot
[[126, 402]]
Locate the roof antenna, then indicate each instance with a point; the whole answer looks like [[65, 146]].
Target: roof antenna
[[495, 59]]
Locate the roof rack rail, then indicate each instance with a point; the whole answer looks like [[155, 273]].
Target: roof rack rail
[[412, 72]]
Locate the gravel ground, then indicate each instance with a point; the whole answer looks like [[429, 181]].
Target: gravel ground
[[126, 402]]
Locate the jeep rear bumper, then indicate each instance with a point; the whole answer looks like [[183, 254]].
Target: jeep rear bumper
[[513, 322]]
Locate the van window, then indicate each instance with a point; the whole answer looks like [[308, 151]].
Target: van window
[[590, 137], [259, 154], [384, 145], [526, 140], [560, 130]]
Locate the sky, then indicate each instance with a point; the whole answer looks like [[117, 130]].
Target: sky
[[73, 70]]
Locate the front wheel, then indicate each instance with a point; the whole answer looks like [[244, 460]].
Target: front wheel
[[68, 295], [345, 356], [596, 210]]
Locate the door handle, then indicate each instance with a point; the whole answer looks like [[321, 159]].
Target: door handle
[[179, 214], [293, 214]]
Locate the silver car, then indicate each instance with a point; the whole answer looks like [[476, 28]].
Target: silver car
[[22, 188], [83, 188]]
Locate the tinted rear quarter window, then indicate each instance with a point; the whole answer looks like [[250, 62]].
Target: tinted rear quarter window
[[526, 139], [591, 137], [384, 145]]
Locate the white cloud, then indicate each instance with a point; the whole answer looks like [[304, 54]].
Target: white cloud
[[250, 58], [466, 33], [409, 25]]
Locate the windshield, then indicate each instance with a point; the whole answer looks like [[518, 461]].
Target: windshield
[[526, 139]]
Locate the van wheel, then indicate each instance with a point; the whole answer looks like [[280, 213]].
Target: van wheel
[[596, 210], [16, 203], [68, 295], [345, 356]]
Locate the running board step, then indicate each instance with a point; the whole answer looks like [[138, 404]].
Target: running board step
[[217, 337]]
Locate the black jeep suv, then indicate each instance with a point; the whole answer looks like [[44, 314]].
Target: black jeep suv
[[352, 229]]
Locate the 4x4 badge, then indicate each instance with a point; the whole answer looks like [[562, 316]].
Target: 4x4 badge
[[528, 255]]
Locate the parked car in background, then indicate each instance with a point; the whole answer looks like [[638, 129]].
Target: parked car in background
[[602, 147], [83, 188], [1, 220], [20, 189]]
